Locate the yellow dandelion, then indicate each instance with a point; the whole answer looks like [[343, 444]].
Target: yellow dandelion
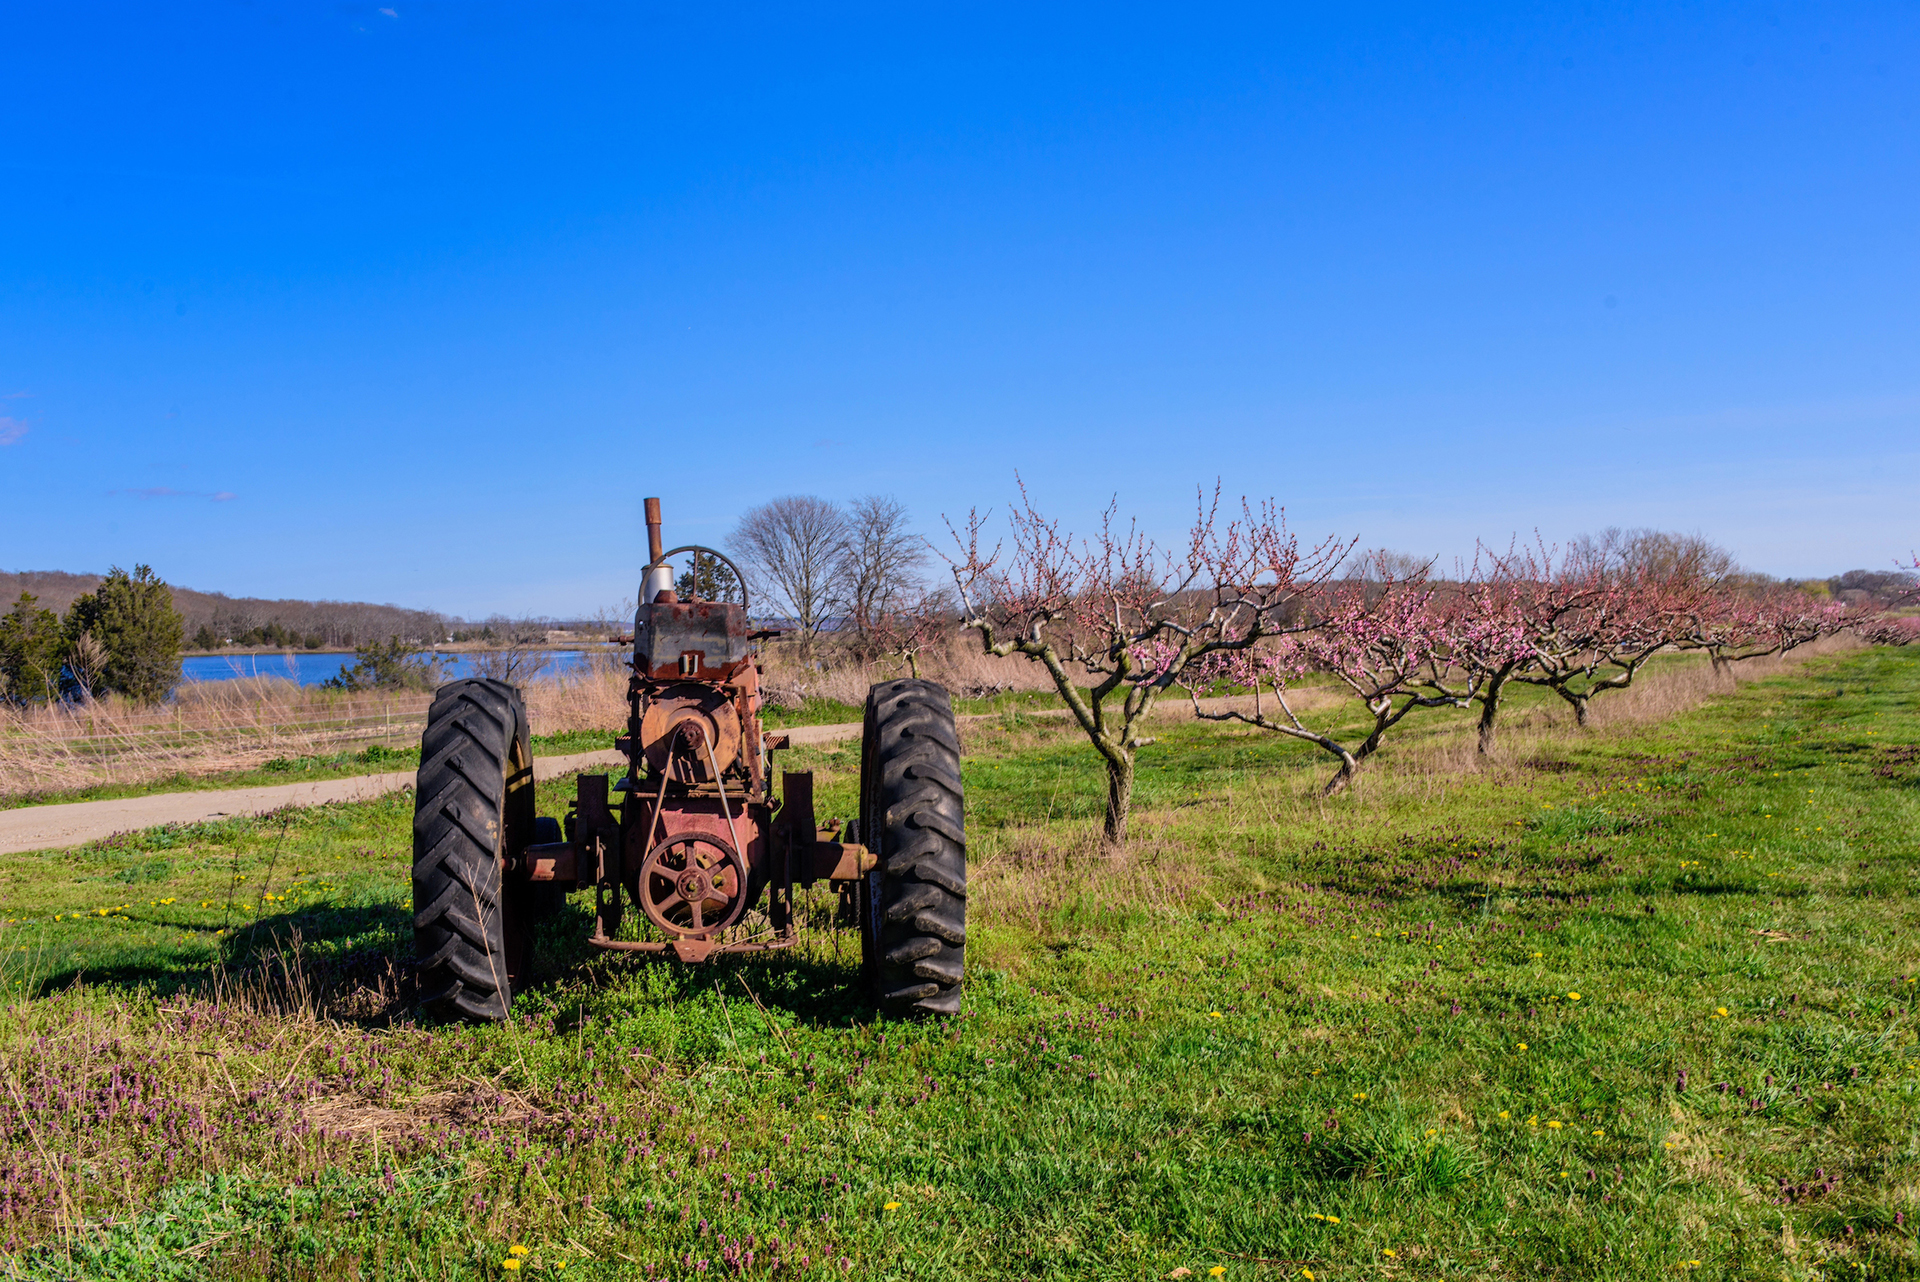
[[1333, 1219], [1600, 1134], [1553, 1126], [1218, 1270], [1389, 1253], [1307, 1274], [1214, 1014], [516, 1249], [1504, 1115], [891, 1206], [1522, 1046], [1431, 1133], [1719, 1012], [511, 1264], [1573, 997], [1359, 1095], [1534, 1120], [819, 1117]]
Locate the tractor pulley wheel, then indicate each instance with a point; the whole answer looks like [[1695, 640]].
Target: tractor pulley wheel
[[693, 884]]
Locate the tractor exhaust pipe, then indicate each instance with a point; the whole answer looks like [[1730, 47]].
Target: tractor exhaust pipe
[[660, 579]]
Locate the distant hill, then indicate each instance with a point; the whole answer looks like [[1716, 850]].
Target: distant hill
[[333, 624]]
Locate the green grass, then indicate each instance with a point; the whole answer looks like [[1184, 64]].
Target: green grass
[[1278, 1034]]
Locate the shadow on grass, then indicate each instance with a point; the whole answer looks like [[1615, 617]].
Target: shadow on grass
[[817, 992], [356, 965], [334, 951]]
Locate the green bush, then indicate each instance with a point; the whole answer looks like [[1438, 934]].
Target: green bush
[[132, 619], [390, 665], [30, 650]]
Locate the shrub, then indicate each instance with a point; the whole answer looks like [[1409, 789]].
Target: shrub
[[390, 665], [30, 646], [132, 618]]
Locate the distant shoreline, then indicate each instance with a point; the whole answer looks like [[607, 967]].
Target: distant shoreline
[[451, 647]]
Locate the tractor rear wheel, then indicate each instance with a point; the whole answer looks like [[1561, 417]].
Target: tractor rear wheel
[[473, 813], [913, 907]]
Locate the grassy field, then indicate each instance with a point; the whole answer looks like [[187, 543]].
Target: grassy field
[[1637, 1003]]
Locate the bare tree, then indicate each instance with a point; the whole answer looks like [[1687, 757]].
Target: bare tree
[[794, 548], [519, 650], [1383, 565], [913, 624], [878, 570]]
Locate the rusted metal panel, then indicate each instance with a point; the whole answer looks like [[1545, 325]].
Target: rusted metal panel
[[710, 636], [552, 862], [841, 861]]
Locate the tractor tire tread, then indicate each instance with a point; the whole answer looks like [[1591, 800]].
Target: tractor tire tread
[[914, 819], [460, 829]]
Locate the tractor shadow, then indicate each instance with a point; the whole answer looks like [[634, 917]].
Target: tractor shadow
[[816, 984], [352, 964]]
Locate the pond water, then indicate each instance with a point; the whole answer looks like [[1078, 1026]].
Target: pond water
[[311, 667]]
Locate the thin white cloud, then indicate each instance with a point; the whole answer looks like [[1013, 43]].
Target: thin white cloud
[[11, 430], [168, 492]]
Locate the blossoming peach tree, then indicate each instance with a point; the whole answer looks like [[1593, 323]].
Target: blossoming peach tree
[[1133, 618], [1397, 645]]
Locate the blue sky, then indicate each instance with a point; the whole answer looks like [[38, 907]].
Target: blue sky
[[417, 303]]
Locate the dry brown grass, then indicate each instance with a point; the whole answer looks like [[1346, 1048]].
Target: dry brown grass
[[796, 673], [211, 726], [592, 698], [215, 726]]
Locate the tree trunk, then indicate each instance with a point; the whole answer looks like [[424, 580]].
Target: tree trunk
[[1490, 711], [1344, 776], [1119, 798], [1579, 710]]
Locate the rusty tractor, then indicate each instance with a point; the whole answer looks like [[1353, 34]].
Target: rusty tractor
[[691, 854]]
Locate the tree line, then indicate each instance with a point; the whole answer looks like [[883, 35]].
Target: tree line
[[125, 634], [214, 620]]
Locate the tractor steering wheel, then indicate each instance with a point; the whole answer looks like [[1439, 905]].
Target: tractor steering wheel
[[697, 549]]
